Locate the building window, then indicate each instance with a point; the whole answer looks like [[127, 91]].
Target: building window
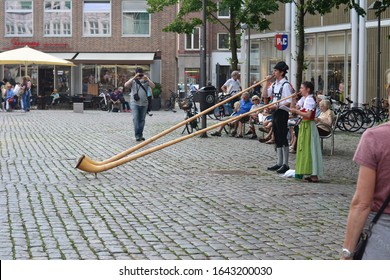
[[18, 18], [135, 19], [97, 18], [224, 41], [58, 18], [223, 12], [193, 40]]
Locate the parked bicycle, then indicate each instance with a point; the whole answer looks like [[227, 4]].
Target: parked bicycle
[[170, 103], [189, 107], [349, 119], [225, 110]]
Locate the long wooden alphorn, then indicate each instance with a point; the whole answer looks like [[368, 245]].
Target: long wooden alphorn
[[91, 168], [161, 134]]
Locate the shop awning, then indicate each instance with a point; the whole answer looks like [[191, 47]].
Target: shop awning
[[119, 58], [67, 56]]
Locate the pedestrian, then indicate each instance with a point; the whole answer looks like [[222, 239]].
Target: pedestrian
[[373, 188], [139, 100], [309, 153], [232, 86], [281, 88]]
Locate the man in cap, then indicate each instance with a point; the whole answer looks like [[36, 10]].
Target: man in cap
[[281, 88]]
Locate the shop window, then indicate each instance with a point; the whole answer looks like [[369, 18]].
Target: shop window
[[192, 76], [89, 77], [58, 18], [97, 18], [18, 18], [135, 19], [193, 40]]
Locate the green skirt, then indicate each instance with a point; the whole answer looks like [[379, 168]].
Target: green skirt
[[309, 154]]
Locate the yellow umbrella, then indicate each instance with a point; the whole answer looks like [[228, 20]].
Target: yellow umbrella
[[28, 56]]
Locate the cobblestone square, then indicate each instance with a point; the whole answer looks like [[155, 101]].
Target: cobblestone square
[[203, 198]]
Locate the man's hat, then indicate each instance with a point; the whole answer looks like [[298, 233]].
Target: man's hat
[[281, 66]]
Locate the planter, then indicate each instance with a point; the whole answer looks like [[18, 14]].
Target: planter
[[156, 104]]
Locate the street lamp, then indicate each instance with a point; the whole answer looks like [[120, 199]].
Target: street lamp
[[379, 8]]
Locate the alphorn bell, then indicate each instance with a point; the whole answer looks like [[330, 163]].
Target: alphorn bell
[[87, 166], [161, 134]]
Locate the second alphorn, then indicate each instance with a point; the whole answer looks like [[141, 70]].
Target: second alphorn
[[161, 134], [88, 166]]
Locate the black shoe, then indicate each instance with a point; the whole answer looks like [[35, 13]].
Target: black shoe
[[142, 139], [215, 133], [274, 168], [282, 169]]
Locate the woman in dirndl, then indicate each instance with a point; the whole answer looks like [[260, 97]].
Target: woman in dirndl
[[309, 154]]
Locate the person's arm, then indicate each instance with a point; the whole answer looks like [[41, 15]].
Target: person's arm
[[303, 114], [151, 84], [224, 88], [360, 206]]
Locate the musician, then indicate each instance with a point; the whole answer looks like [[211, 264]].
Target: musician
[[281, 88]]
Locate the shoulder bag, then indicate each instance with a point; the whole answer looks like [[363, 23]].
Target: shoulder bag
[[366, 233]]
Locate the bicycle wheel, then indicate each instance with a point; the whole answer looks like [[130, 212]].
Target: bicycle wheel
[[340, 121], [353, 120], [369, 118], [218, 113], [192, 126]]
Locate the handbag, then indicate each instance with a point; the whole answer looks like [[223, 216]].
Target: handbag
[[366, 233]]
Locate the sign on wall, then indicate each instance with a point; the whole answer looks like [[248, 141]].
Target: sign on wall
[[281, 41]]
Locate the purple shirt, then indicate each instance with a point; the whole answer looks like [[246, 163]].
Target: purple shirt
[[373, 152]]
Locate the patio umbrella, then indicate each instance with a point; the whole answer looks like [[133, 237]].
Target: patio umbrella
[[28, 56]]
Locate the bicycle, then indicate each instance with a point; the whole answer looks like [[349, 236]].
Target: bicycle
[[224, 110], [170, 103], [349, 119], [189, 107], [372, 115]]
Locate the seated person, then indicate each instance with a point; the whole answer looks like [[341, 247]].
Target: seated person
[[125, 104], [253, 118], [56, 97], [326, 117], [11, 100], [245, 106], [115, 100]]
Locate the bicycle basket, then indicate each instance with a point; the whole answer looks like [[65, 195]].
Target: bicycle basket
[[186, 105]]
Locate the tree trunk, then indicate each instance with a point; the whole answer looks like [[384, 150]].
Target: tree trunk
[[233, 40]]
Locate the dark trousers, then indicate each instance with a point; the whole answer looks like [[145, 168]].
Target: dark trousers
[[280, 128]]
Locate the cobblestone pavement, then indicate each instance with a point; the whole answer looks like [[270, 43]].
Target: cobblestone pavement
[[203, 198]]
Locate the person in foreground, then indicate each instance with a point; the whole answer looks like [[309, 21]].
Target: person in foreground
[[309, 154], [139, 100], [373, 187]]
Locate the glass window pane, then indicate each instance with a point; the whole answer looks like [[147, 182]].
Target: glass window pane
[[19, 18], [97, 18]]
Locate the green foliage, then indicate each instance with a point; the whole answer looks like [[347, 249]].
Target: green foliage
[[156, 90], [250, 12]]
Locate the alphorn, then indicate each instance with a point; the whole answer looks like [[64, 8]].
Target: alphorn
[[161, 134], [87, 166]]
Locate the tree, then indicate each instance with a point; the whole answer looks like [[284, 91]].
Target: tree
[[250, 12], [314, 7]]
